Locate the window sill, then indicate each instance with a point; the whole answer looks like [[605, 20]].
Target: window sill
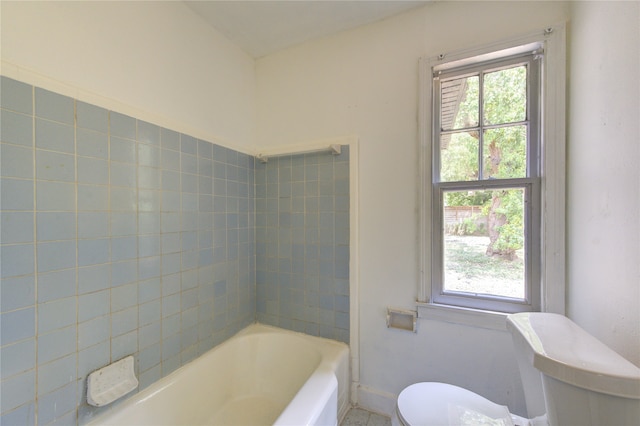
[[463, 316]]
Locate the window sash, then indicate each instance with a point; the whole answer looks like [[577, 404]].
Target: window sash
[[531, 301], [531, 185], [532, 60]]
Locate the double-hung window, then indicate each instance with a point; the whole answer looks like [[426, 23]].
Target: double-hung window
[[488, 227]]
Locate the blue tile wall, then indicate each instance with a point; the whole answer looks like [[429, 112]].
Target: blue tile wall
[[118, 237], [302, 243]]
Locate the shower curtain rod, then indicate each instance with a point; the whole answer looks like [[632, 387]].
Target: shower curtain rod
[[335, 149]]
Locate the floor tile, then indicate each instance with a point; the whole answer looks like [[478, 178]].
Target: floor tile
[[360, 417]]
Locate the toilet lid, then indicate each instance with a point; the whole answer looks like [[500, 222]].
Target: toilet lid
[[433, 403]]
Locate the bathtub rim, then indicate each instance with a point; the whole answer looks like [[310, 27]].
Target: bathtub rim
[[333, 353]]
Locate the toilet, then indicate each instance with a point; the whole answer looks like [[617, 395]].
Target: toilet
[[569, 378]]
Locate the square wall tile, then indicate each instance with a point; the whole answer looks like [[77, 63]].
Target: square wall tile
[[93, 197], [148, 133], [124, 248], [56, 314], [124, 321], [94, 278], [149, 267], [189, 183], [93, 332], [16, 128], [54, 136], [93, 305], [56, 374], [54, 405], [171, 201], [124, 224], [148, 200], [124, 297], [17, 260], [16, 227], [149, 222], [170, 160], [58, 196], [93, 252], [53, 106], [153, 374], [24, 415], [56, 285], [124, 345], [16, 96], [56, 226], [122, 150], [93, 224], [148, 178], [16, 391], [92, 117], [148, 155], [149, 299], [16, 194], [17, 161], [188, 163], [55, 166], [17, 292], [149, 315], [18, 325], [122, 126], [122, 174], [169, 139], [171, 284], [18, 358], [149, 245], [123, 199], [93, 358], [93, 171], [150, 357], [56, 255], [188, 144], [92, 144]]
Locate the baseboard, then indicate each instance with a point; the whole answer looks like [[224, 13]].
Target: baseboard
[[376, 400]]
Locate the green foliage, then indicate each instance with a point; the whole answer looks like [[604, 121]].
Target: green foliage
[[468, 115], [505, 95], [468, 226], [511, 236], [460, 159], [467, 198], [504, 150]]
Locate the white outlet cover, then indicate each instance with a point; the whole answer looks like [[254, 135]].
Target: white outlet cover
[[111, 382]]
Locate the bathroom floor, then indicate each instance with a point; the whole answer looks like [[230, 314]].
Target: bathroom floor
[[360, 417]]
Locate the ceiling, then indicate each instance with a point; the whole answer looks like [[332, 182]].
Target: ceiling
[[262, 27]]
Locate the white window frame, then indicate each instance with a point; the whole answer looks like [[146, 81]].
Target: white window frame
[[552, 169]]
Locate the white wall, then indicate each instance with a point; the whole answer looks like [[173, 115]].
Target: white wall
[[154, 60], [603, 175], [365, 82]]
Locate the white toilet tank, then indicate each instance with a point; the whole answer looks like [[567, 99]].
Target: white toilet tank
[[584, 381]]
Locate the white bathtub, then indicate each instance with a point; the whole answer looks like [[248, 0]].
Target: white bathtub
[[261, 376]]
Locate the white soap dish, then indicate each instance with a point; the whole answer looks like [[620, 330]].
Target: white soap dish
[[111, 382]]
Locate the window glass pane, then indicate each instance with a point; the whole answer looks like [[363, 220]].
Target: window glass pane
[[484, 242], [505, 96], [459, 157], [459, 103], [505, 152]]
